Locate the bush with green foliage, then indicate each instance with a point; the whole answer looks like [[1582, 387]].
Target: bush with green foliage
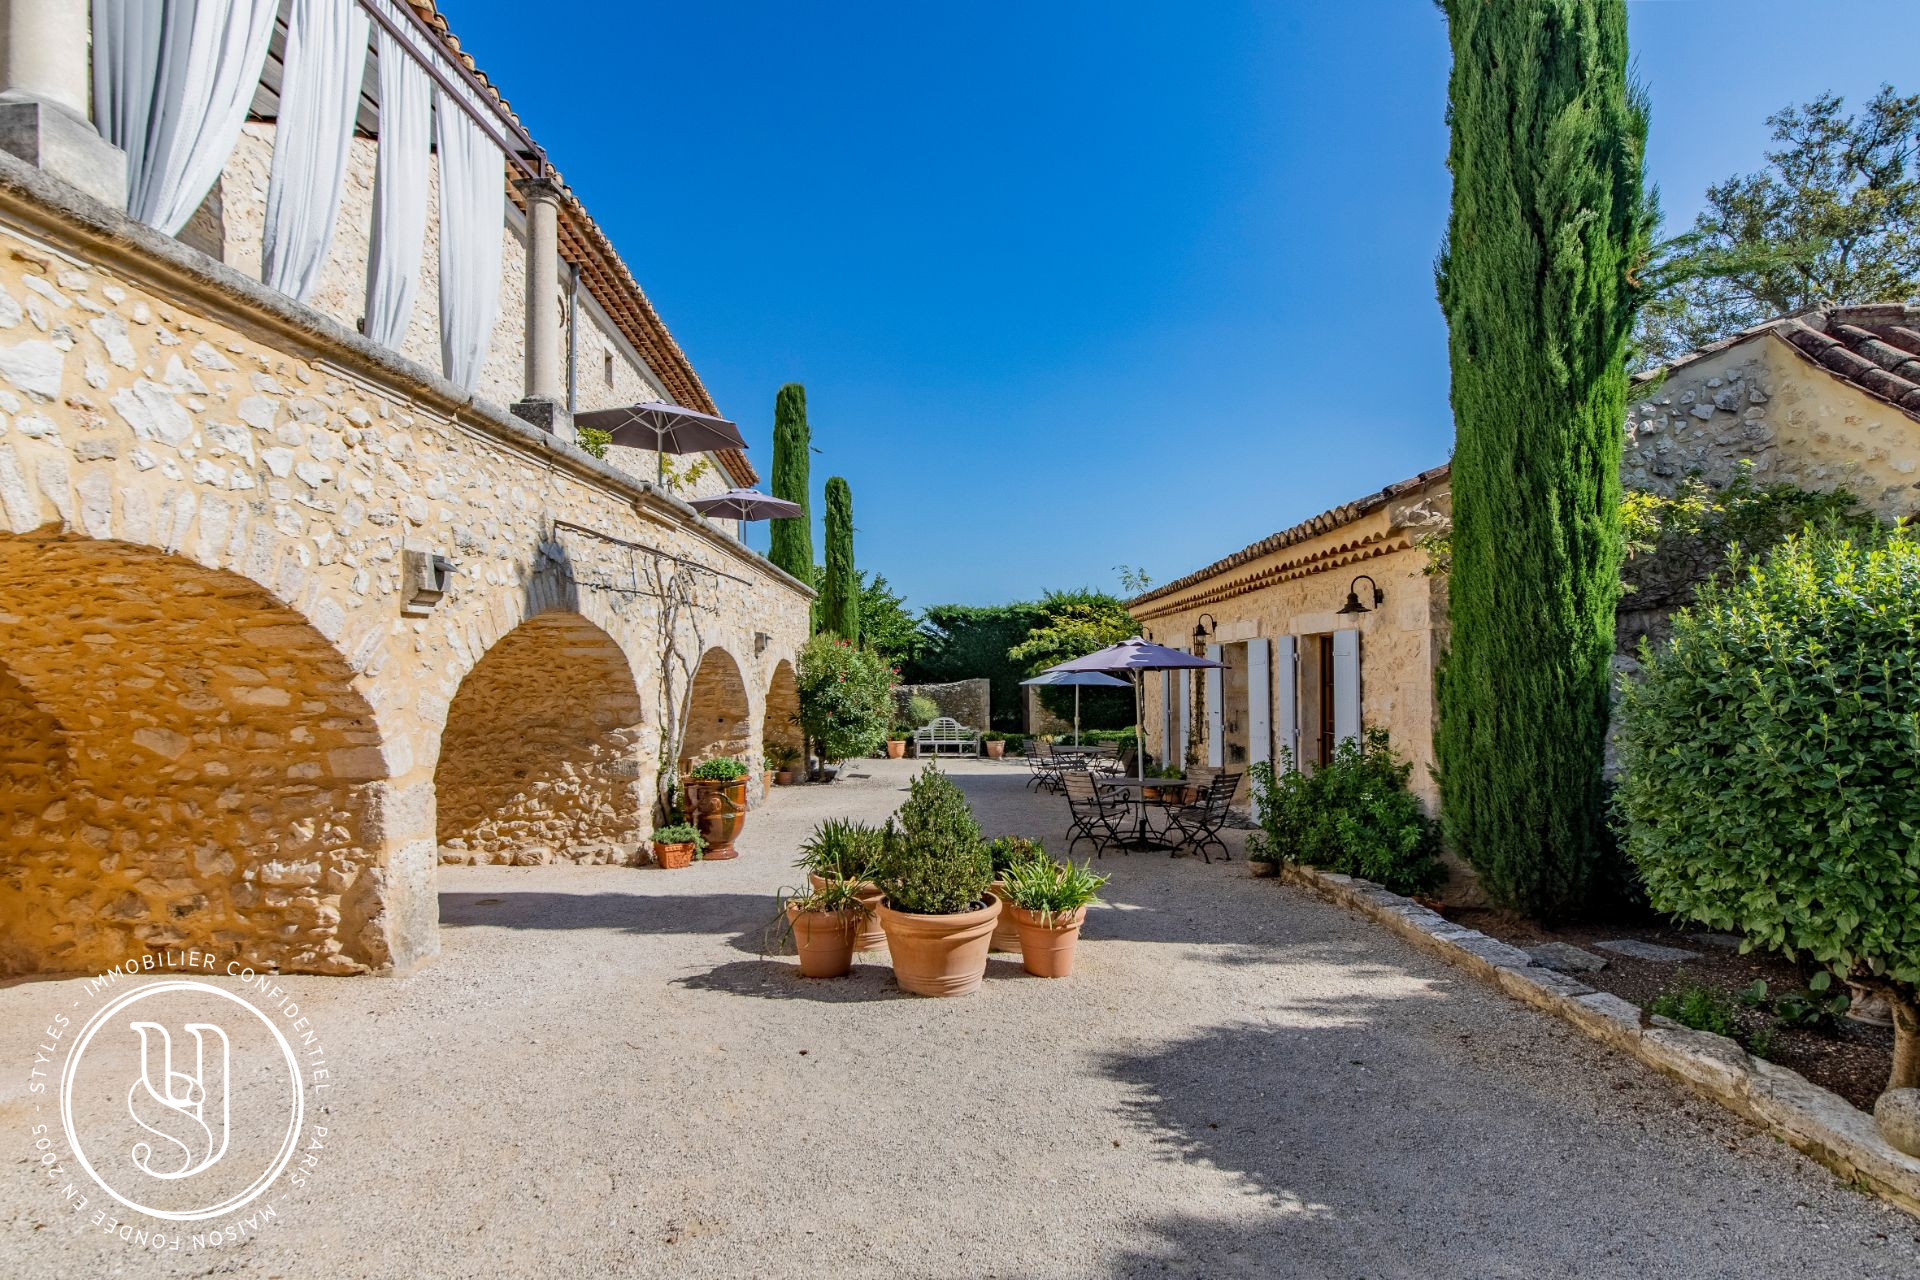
[[933, 861], [1354, 816], [1005, 851], [846, 698], [680, 833], [844, 848], [1701, 1008], [919, 712], [1052, 889], [719, 769], [1073, 624], [1770, 754], [780, 757]]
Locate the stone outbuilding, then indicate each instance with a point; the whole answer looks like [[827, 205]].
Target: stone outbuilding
[[289, 615], [1338, 622]]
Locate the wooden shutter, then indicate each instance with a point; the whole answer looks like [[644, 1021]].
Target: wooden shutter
[[1216, 731], [1346, 686], [1259, 703], [1286, 696]]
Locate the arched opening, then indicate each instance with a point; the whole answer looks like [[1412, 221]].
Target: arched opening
[[539, 761], [780, 724], [189, 765], [719, 721]]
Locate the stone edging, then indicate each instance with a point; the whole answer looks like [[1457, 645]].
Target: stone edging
[[1816, 1121]]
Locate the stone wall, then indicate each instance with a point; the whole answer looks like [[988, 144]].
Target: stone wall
[[210, 491], [968, 701]]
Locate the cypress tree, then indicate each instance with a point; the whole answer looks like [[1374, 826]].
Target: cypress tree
[[840, 589], [1550, 219], [790, 542]]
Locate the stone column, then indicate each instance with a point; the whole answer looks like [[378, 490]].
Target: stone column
[[545, 404], [46, 96]]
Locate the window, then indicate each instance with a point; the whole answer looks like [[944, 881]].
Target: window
[[606, 367]]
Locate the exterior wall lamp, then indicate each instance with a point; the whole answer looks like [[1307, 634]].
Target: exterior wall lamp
[[1353, 604], [1203, 627]]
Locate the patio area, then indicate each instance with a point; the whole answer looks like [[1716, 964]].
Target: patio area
[[602, 1072]]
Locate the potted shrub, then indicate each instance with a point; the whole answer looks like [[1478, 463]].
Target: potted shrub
[[826, 922], [897, 746], [994, 743], [716, 799], [840, 849], [934, 870], [846, 700], [1049, 904], [1171, 773], [1004, 852], [780, 757], [674, 846]]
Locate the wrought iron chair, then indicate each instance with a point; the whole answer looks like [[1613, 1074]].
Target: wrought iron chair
[[1040, 769], [1199, 823], [1094, 818]]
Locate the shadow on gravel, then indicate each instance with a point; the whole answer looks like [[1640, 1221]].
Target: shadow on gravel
[[776, 979], [741, 914]]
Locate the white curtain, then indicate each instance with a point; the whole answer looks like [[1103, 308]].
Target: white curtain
[[399, 191], [172, 80], [326, 62], [473, 217]]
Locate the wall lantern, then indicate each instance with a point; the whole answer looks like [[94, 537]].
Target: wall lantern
[[1206, 625], [1353, 604]]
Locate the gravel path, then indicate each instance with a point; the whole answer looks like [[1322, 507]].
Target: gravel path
[[601, 1075]]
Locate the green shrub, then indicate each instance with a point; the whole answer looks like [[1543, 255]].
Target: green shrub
[[846, 698], [921, 711], [679, 833], [842, 848], [933, 861], [1354, 816], [1771, 752], [1008, 851], [781, 756], [722, 769], [1701, 1008], [1052, 888]]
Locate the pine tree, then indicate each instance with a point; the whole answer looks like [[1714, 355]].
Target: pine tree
[[790, 542], [1550, 220], [840, 588]]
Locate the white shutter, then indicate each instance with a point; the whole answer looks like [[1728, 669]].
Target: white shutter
[[1286, 695], [1259, 703], [1216, 731], [1346, 686], [1186, 717], [1166, 718]]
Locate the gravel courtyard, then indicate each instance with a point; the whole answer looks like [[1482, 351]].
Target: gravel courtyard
[[602, 1074]]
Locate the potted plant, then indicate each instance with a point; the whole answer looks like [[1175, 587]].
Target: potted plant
[[716, 800], [934, 871], [1004, 852], [897, 746], [840, 849], [1171, 773], [674, 846], [780, 757], [1049, 903], [826, 921], [995, 744]]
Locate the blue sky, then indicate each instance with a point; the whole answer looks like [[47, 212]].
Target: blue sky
[[1080, 283]]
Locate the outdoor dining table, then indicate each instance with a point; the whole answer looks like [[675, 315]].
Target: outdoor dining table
[[1144, 836]]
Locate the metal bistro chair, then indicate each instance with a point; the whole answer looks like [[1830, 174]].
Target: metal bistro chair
[[1093, 817], [1199, 823], [1039, 763]]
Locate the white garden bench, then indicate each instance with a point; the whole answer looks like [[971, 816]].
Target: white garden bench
[[946, 736]]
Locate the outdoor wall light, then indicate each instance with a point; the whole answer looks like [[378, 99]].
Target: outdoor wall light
[[1205, 626], [1353, 604]]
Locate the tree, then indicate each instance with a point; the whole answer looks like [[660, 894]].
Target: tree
[[1833, 219], [846, 698], [1549, 220], [1789, 814], [1073, 623], [790, 542], [887, 626], [964, 642], [840, 588]]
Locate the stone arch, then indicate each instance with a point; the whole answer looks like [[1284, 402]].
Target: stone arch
[[779, 723], [719, 719], [539, 759], [190, 765]]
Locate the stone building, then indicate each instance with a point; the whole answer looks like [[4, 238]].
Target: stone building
[[1823, 400], [287, 615]]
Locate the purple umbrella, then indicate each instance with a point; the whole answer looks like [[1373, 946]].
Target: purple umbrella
[[1131, 658], [745, 504], [664, 428]]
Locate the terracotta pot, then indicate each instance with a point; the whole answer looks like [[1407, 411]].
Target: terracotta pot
[[719, 809], [896, 748], [1004, 938], [940, 955], [996, 749], [823, 940], [867, 935], [670, 857], [1046, 951], [783, 777]]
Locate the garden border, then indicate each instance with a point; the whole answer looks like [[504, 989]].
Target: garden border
[[1815, 1121]]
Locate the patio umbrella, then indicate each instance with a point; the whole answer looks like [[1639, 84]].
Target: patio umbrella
[[1079, 680], [1132, 658], [664, 428], [746, 504]]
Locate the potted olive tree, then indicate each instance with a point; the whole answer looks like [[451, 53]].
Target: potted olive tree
[[1049, 902], [716, 799], [934, 870], [846, 699], [841, 849]]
